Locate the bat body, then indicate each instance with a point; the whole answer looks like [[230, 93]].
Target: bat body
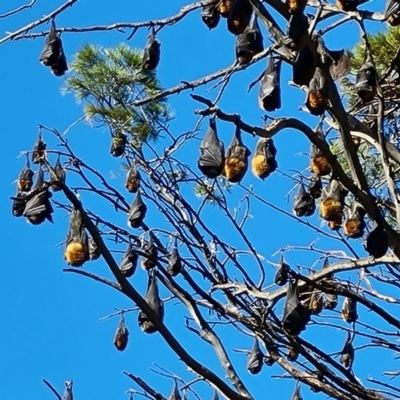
[[151, 53], [349, 5], [315, 186], [303, 203], [94, 251], [304, 67], [174, 262], [121, 335], [295, 316], [137, 212], [319, 164], [38, 207], [52, 54], [263, 162], [19, 204], [150, 260], [249, 43], [354, 224], [282, 274], [377, 243], [269, 95], [132, 179], [317, 96], [296, 32], [292, 354], [315, 303], [77, 243], [153, 300], [347, 353], [296, 393], [118, 144], [25, 178], [128, 262], [212, 159], [332, 202], [349, 310], [239, 16], [255, 359], [366, 83], [60, 172], [210, 15], [223, 7], [236, 159], [39, 150], [392, 12]]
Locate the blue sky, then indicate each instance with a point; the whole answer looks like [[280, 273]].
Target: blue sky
[[50, 319]]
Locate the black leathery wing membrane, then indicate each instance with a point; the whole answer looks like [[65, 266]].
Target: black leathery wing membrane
[[60, 173], [296, 31], [132, 179], [349, 310], [304, 67], [77, 242], [255, 359], [347, 353], [39, 149], [303, 202], [236, 159], [249, 43], [295, 316], [263, 162], [330, 301], [317, 96], [38, 208], [377, 243], [94, 251], [18, 204], [121, 335], [153, 300], [52, 54], [296, 392], [315, 186], [282, 274], [239, 16], [212, 158], [118, 143], [366, 82], [129, 262], [151, 53], [25, 178], [269, 95], [354, 224], [210, 15], [137, 211], [174, 261], [150, 260], [68, 395]]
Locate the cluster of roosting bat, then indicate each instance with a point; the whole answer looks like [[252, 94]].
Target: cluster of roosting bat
[[233, 164], [53, 55]]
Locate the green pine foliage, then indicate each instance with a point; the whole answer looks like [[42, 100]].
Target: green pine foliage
[[108, 81]]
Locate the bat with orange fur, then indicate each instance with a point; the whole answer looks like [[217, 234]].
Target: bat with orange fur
[[354, 224], [332, 203], [317, 97], [264, 162]]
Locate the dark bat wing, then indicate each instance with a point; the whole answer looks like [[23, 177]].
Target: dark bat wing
[[340, 65], [282, 274], [38, 150], [174, 262], [315, 186], [150, 260], [210, 15], [121, 335], [269, 95], [152, 52], [239, 16], [51, 47], [377, 243], [19, 204], [37, 205], [255, 359], [297, 31], [137, 212], [211, 149], [294, 314], [94, 251], [25, 178], [303, 202], [129, 262], [347, 353], [304, 67], [250, 42]]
